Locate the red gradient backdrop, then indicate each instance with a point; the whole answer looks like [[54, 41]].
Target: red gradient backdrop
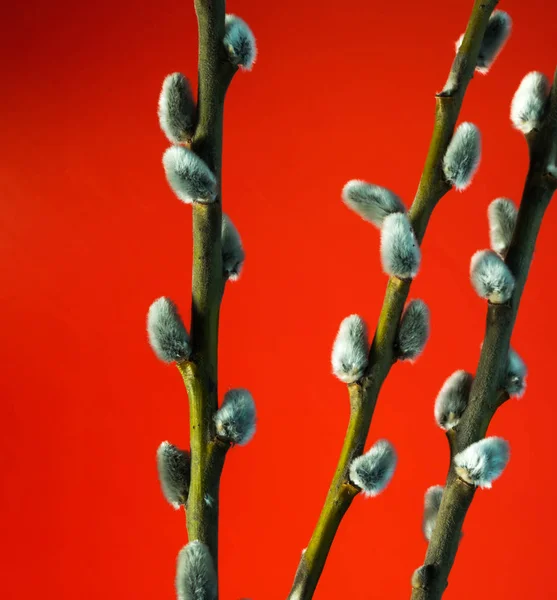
[[91, 234]]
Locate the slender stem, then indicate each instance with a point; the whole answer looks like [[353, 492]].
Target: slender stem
[[431, 189], [339, 498], [207, 455], [486, 395], [363, 397], [447, 109], [451, 438], [202, 513], [456, 500]]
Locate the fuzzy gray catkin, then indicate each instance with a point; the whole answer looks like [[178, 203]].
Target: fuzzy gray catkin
[[188, 176], [177, 109], [462, 157], [413, 331], [452, 399], [515, 375], [167, 335], [529, 102], [235, 419], [196, 578], [371, 202], [496, 35], [233, 254], [239, 42], [174, 467], [350, 350], [482, 462], [490, 277], [501, 214], [432, 502], [400, 251], [373, 471]]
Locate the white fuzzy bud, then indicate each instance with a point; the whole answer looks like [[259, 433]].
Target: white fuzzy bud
[[496, 35], [350, 349], [177, 109], [482, 462], [196, 578], [452, 399], [174, 466], [239, 42], [371, 202], [235, 419], [501, 215], [168, 337], [515, 376], [413, 331], [529, 102], [233, 254], [188, 176], [462, 158], [373, 471], [490, 277], [400, 251], [432, 502]]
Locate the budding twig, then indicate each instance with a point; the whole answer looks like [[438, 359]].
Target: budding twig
[[207, 456], [493, 368], [363, 394], [194, 174]]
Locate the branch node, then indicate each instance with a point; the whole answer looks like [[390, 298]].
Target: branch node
[[423, 577]]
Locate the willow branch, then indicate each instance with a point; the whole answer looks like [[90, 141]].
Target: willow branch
[[485, 396], [207, 454], [363, 395]]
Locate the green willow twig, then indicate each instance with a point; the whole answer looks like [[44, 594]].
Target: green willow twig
[[485, 396], [363, 394], [200, 375]]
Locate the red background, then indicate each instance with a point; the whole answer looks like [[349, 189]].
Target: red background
[[91, 234]]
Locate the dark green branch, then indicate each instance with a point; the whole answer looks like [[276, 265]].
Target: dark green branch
[[431, 189], [486, 396], [215, 74], [363, 397], [433, 185], [202, 512], [339, 499]]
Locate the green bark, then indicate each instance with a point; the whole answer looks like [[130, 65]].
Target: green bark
[[207, 453], [432, 187], [486, 395]]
